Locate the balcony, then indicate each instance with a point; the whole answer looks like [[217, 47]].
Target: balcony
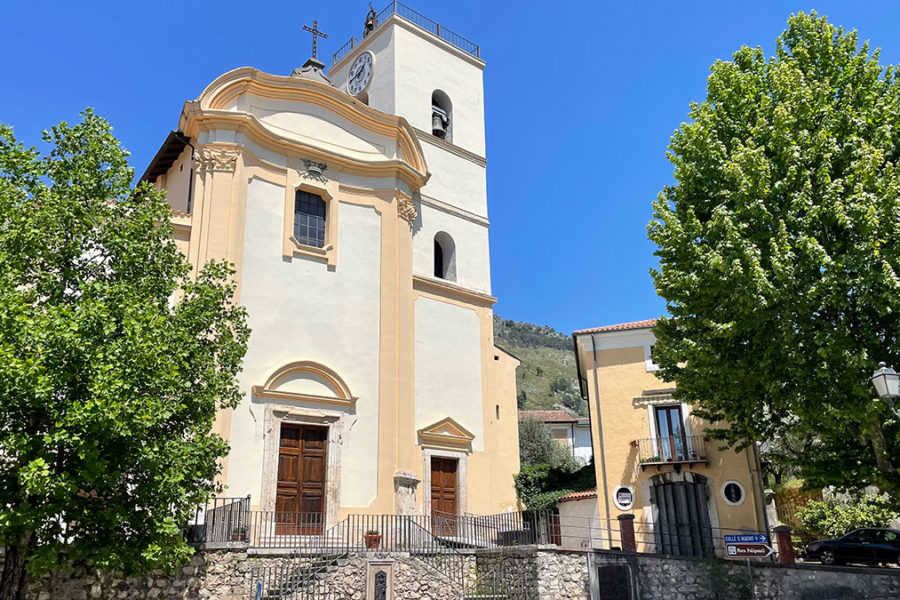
[[671, 450]]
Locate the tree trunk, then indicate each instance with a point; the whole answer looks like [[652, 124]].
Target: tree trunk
[[12, 583]]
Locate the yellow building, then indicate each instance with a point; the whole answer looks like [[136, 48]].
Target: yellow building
[[353, 202], [654, 456]]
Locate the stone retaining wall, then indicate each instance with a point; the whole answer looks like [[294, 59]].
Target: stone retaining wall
[[529, 572], [654, 577]]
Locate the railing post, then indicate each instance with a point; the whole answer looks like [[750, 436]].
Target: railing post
[[783, 540], [626, 532]]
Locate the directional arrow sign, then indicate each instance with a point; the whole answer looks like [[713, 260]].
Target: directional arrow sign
[[748, 550], [747, 538]]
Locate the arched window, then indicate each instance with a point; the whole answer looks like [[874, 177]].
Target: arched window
[[309, 219], [441, 115], [444, 256]]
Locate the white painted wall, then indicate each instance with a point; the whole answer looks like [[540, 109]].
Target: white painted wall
[[455, 180], [583, 448], [580, 525], [424, 66], [299, 310], [448, 367], [473, 269]]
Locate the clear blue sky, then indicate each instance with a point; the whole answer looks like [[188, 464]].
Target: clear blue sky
[[581, 98]]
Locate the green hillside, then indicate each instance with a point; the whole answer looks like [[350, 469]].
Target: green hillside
[[547, 374]]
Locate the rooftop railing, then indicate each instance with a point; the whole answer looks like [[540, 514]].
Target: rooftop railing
[[420, 20]]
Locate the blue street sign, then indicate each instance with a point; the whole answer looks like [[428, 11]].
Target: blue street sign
[[747, 538]]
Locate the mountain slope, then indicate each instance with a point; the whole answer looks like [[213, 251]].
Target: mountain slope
[[547, 374]]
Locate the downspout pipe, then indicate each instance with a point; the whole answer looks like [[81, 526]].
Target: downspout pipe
[[602, 441]]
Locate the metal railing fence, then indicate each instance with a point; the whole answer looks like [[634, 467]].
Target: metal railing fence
[[675, 449], [221, 520], [229, 519], [420, 20]]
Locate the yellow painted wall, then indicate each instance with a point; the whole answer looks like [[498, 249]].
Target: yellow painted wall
[[622, 375]]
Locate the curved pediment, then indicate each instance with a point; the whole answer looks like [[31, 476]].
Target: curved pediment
[[316, 119], [306, 381]]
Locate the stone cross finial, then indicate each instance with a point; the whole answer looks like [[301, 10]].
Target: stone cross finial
[[314, 30]]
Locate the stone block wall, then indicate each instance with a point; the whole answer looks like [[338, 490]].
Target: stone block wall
[[528, 573], [655, 577], [229, 574]]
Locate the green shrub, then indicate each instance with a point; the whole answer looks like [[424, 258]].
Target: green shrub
[[832, 518], [540, 487]]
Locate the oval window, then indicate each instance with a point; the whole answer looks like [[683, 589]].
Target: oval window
[[733, 493]]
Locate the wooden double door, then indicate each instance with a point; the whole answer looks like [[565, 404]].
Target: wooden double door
[[300, 495], [444, 506]]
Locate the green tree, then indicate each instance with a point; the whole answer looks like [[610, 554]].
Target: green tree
[[832, 518], [537, 446], [780, 255], [108, 388]]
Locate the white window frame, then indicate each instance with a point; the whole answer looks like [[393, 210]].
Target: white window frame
[[740, 486]]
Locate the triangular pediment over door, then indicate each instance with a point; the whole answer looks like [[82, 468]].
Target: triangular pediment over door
[[446, 433]]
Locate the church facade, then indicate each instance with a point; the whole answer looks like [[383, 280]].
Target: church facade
[[353, 203]]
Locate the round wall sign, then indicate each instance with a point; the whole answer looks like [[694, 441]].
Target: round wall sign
[[623, 497]]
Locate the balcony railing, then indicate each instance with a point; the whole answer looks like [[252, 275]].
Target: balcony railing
[[397, 8], [672, 450]]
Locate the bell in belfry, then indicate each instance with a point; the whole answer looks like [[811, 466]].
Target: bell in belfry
[[439, 122]]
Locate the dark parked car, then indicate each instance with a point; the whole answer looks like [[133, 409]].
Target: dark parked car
[[858, 546]]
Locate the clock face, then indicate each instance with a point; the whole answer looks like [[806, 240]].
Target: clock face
[[360, 73]]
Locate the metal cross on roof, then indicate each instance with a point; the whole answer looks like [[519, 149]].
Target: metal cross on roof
[[314, 30]]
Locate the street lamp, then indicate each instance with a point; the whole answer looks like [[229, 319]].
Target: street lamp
[[887, 383]]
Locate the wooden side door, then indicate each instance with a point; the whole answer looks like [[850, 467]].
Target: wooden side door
[[443, 495], [300, 492]]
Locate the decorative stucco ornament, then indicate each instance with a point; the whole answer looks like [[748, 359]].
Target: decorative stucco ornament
[[216, 157], [314, 70], [314, 170], [407, 210]]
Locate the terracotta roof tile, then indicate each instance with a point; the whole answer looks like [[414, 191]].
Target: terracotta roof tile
[[645, 324], [548, 416], [579, 496]]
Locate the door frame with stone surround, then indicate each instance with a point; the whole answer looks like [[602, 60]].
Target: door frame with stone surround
[[334, 421], [462, 495]]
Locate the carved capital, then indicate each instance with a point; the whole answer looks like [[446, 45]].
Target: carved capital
[[216, 157], [406, 210]]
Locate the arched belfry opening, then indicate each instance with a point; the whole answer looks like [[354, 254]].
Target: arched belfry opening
[[444, 256], [441, 115]]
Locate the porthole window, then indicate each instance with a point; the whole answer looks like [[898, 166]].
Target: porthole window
[[733, 493], [623, 497]]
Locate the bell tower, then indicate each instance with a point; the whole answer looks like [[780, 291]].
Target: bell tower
[[420, 70]]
